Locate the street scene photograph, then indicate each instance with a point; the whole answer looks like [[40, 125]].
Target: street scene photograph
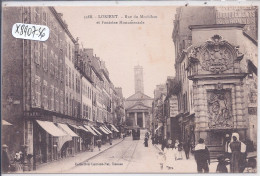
[[129, 89]]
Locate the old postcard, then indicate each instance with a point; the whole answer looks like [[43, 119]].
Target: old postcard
[[119, 88]]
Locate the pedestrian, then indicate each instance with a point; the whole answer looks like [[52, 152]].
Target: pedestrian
[[227, 142], [179, 148], [5, 159], [186, 147], [156, 139], [202, 156], [222, 168], [110, 140], [146, 141], [147, 134], [99, 144], [169, 156], [153, 140], [164, 142], [161, 158], [238, 155]]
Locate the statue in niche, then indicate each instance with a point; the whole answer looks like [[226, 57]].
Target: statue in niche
[[219, 108]]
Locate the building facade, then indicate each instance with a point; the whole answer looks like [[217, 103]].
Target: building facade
[[212, 66], [138, 106], [53, 92]]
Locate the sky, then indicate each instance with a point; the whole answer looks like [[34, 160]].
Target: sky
[[123, 46]]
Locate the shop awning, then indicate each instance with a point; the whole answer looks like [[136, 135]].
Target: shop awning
[[83, 128], [96, 130], [67, 130], [90, 130], [157, 128], [104, 131], [74, 126], [115, 129], [6, 123], [107, 129], [50, 128]]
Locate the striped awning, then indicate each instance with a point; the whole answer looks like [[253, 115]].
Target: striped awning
[[104, 131], [105, 127], [67, 130], [50, 128], [96, 130], [74, 126], [90, 130], [114, 128], [83, 128]]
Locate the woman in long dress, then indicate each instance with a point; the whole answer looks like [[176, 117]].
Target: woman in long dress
[[178, 150], [238, 157], [169, 153]]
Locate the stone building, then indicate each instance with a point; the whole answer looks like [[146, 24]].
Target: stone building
[[51, 90], [158, 118], [138, 106], [212, 67]]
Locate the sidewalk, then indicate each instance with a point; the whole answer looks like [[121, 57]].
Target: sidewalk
[[186, 165], [180, 166], [63, 165]]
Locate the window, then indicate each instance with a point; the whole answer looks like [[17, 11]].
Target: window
[[61, 69], [72, 80], [37, 101], [57, 97], [93, 115], [67, 104], [88, 92], [45, 95], [70, 105], [44, 57], [52, 98], [56, 66], [44, 18], [36, 15], [87, 111], [69, 53], [76, 84], [51, 63], [61, 101], [69, 78], [36, 52], [66, 75]]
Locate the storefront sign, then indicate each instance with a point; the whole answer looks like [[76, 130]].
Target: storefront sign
[[173, 106]]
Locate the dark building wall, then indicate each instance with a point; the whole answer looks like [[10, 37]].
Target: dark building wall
[[12, 80]]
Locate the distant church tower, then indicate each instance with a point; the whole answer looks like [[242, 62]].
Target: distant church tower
[[139, 83]]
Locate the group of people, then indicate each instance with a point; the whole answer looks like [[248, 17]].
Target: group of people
[[235, 155], [172, 151], [16, 164]]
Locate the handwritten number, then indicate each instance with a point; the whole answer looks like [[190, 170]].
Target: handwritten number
[[17, 28], [21, 33], [30, 30]]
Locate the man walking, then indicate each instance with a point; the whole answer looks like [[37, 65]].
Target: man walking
[[202, 157], [186, 147], [5, 159]]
